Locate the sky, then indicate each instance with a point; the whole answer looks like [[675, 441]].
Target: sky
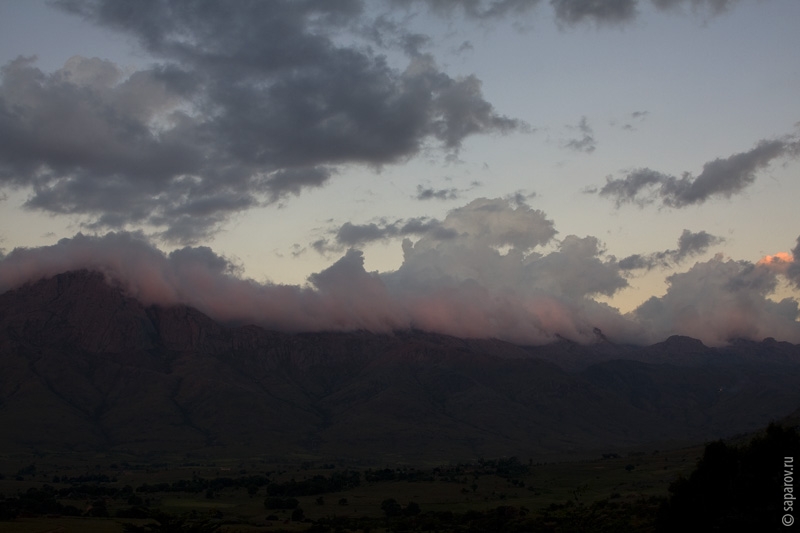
[[522, 169]]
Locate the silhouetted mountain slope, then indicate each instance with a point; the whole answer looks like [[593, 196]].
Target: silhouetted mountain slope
[[85, 367]]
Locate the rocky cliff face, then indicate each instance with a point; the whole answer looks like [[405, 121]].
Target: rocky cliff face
[[84, 367]]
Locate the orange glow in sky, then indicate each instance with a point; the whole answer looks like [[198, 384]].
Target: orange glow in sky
[[777, 259], [778, 263]]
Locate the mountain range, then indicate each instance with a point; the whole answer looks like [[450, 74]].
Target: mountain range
[[84, 368]]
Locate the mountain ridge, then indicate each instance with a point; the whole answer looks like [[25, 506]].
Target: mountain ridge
[[86, 367]]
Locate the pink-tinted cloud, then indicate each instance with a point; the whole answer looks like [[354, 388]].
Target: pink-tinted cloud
[[493, 279], [720, 300]]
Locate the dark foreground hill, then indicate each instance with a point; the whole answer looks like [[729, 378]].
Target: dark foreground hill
[[85, 368]]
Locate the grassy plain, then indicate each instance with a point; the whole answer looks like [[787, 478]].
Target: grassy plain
[[127, 487]]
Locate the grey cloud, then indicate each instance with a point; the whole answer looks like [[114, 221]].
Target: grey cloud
[[568, 12], [721, 177], [206, 257], [492, 279], [635, 262], [577, 269], [495, 222], [628, 189], [429, 193], [321, 245], [713, 6], [718, 301], [783, 263], [294, 180], [463, 286], [638, 116], [492, 222], [605, 11], [389, 33], [751, 278], [793, 269], [459, 111], [520, 198], [466, 46], [86, 143], [345, 297], [413, 42], [689, 244], [621, 11], [181, 229], [427, 226], [478, 9], [350, 235], [252, 102], [586, 143]]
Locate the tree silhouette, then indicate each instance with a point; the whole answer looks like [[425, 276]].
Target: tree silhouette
[[391, 508], [733, 488]]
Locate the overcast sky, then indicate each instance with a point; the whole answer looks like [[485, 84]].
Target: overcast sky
[[513, 168]]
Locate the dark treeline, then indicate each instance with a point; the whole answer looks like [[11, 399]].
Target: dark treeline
[[37, 502], [336, 482], [199, 484], [506, 467]]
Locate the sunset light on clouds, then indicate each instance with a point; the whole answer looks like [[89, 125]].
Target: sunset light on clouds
[[520, 170], [779, 260]]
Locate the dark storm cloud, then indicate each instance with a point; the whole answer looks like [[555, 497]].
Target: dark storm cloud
[[586, 143], [719, 178], [252, 102], [689, 244]]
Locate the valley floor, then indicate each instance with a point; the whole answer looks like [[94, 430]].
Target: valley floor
[[112, 494]]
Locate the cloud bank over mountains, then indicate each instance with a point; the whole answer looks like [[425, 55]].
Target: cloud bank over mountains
[[491, 268]]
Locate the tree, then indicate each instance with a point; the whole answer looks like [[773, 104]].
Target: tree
[[171, 524], [274, 502], [391, 508], [412, 509], [733, 488]]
